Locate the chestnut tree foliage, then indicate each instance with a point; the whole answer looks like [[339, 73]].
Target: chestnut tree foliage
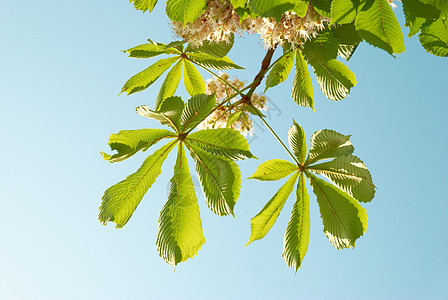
[[209, 127]]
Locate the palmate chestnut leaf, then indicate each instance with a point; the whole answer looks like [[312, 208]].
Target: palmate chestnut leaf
[[213, 151], [344, 219]]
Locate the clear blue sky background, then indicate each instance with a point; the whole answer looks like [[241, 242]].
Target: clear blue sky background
[[60, 73]]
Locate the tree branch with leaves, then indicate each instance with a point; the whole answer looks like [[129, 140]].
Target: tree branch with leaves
[[211, 123]]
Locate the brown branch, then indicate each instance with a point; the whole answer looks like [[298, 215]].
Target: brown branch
[[259, 77]]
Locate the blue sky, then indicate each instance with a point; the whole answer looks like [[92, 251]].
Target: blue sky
[[60, 73]]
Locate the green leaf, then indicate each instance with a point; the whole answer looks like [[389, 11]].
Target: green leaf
[[321, 49], [435, 8], [271, 8], [197, 108], [169, 112], [149, 50], [253, 110], [265, 219], [238, 3], [184, 11], [225, 142], [301, 8], [144, 5], [348, 39], [302, 90], [377, 24], [414, 25], [350, 174], [280, 70], [176, 45], [297, 235], [233, 118], [297, 141], [323, 7], [169, 85], [342, 12], [145, 78], [327, 144], [274, 169], [344, 219], [434, 38], [346, 51], [417, 13], [121, 200], [335, 79], [180, 228], [346, 34], [220, 180], [129, 142], [219, 49], [192, 79], [212, 62]]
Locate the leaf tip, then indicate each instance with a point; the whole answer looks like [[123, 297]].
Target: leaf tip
[[105, 155]]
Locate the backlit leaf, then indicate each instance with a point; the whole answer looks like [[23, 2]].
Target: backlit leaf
[[350, 174], [169, 85], [342, 11], [344, 219], [144, 5], [129, 142], [121, 200], [226, 142], [212, 62], [271, 8], [169, 112], [280, 70], [335, 79], [220, 180], [197, 108], [302, 88], [297, 141], [192, 79], [219, 49], [327, 144], [377, 24], [297, 235], [184, 11], [149, 50], [321, 49], [265, 219], [145, 78], [274, 169], [434, 38], [180, 228]]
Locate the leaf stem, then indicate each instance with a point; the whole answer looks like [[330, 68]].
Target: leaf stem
[[265, 66], [274, 134]]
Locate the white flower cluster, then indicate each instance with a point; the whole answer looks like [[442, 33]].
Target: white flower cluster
[[216, 24], [291, 28], [220, 20], [220, 117]]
